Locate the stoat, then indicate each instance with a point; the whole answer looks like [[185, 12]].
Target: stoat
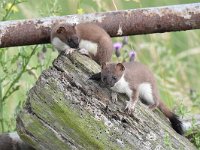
[[137, 82], [89, 38]]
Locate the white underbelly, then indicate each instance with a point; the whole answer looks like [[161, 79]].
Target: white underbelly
[[145, 90], [91, 47], [145, 93], [122, 86], [59, 45]]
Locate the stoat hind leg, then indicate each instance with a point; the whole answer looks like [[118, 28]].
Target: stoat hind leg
[[154, 106], [148, 95], [156, 100]]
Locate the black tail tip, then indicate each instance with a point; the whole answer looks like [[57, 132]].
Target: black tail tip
[[176, 124], [96, 77]]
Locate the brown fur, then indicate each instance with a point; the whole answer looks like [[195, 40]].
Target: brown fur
[[90, 32], [135, 74], [62, 30]]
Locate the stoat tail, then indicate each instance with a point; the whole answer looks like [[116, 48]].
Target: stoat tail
[[174, 119]]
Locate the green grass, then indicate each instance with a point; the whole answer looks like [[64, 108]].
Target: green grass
[[174, 57]]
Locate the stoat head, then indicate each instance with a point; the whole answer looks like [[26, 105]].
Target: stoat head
[[111, 73], [67, 34]]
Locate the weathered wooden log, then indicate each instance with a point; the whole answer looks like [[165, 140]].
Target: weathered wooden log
[[65, 110]]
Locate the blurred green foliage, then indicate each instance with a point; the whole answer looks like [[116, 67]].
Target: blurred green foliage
[[174, 57]]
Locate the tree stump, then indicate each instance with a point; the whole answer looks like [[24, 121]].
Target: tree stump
[[65, 110]]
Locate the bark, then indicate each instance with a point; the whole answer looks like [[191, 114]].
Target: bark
[[116, 23], [65, 110]]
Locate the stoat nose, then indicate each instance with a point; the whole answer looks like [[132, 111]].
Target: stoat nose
[[109, 84]]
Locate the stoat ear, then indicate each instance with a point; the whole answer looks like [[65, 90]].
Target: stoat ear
[[120, 67], [60, 30], [103, 65]]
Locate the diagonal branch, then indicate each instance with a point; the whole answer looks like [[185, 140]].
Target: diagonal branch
[[116, 23]]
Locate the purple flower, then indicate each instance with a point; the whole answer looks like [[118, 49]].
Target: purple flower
[[125, 40], [117, 46], [132, 55]]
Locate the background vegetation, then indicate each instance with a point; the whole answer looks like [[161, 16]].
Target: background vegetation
[[174, 57]]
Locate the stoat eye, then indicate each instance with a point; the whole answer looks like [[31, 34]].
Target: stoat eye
[[114, 78]]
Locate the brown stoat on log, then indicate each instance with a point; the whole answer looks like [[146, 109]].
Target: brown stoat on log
[[90, 39], [137, 82]]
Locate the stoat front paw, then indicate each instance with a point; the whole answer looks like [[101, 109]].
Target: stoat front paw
[[114, 97], [130, 106], [84, 51], [69, 51]]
